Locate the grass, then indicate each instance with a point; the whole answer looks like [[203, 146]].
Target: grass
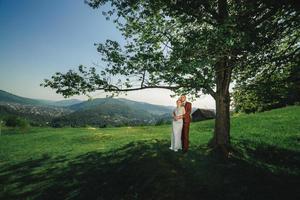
[[135, 162]]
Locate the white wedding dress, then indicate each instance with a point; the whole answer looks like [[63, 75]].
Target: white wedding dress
[[176, 130]]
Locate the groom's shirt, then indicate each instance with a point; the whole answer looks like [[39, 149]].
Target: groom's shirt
[[188, 110]]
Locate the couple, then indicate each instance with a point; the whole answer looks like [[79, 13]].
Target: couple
[[181, 125]]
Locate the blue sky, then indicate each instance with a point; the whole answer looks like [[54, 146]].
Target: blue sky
[[41, 37]]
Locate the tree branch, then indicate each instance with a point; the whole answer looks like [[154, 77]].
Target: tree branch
[[117, 89]]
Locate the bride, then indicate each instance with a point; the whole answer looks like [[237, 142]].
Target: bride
[[177, 124]]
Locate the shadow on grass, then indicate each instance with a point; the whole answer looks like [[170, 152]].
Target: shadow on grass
[[278, 160], [144, 170]]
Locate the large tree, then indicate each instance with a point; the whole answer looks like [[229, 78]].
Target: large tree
[[275, 88], [188, 46]]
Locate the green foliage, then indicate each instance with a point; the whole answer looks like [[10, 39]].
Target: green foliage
[[34, 119], [164, 120], [183, 45], [274, 88], [135, 162], [16, 122]]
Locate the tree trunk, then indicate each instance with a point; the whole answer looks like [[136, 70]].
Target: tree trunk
[[222, 121], [221, 138]]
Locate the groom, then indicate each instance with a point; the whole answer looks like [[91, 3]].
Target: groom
[[186, 123]]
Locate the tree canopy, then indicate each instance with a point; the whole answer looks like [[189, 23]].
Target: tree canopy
[[277, 87], [177, 44]]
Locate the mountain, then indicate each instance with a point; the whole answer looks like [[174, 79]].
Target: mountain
[[65, 103], [146, 107], [36, 115], [38, 112], [106, 114], [154, 109], [113, 112], [100, 112], [11, 98]]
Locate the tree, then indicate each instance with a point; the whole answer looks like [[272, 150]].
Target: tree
[[189, 47], [1, 122], [275, 88], [15, 121]]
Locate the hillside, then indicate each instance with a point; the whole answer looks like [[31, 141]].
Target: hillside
[[146, 107], [106, 114], [135, 162], [6, 97], [100, 112], [62, 103], [35, 115], [36, 112], [11, 98]]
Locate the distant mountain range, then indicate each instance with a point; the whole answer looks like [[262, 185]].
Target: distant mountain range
[[11, 98], [151, 108], [98, 112]]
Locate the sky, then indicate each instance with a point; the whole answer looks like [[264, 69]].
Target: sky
[[41, 37]]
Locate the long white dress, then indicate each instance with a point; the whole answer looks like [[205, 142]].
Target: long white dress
[[176, 130]]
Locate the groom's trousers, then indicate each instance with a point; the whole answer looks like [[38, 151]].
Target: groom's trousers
[[185, 136]]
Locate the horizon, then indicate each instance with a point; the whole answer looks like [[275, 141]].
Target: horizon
[[40, 38], [82, 100]]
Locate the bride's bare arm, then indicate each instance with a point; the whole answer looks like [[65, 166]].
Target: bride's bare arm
[[174, 115]]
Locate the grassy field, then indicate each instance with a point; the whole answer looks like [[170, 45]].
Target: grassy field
[[135, 162]]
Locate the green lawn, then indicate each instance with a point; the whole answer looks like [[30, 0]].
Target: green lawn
[[135, 162]]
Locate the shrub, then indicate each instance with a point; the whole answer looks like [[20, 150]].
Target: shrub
[[15, 121]]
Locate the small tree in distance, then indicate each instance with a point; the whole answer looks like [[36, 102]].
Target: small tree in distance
[[16, 122], [191, 47]]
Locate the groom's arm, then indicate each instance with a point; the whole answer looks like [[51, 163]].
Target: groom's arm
[[181, 116], [188, 111]]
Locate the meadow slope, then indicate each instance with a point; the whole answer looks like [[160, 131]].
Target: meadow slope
[[135, 162]]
